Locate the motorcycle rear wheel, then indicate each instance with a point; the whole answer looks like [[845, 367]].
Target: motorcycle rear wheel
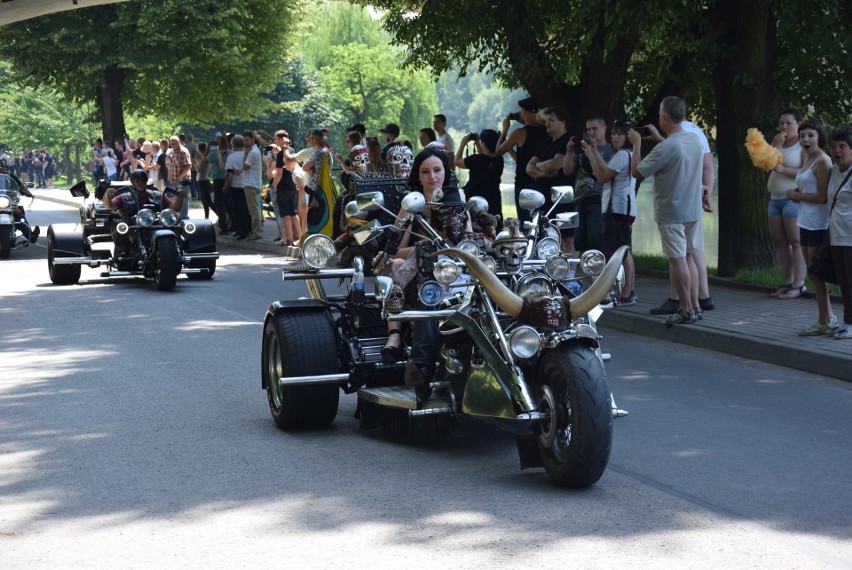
[[576, 441], [60, 274], [299, 343], [168, 264], [6, 241]]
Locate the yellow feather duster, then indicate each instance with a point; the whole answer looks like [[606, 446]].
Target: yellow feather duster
[[763, 155]]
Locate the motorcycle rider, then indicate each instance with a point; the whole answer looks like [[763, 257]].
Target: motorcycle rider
[[138, 194], [24, 191]]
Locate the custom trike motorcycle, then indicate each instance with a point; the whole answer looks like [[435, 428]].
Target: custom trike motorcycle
[[144, 240], [515, 344], [15, 230]]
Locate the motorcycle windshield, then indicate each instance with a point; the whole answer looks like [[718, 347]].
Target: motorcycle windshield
[[9, 187]]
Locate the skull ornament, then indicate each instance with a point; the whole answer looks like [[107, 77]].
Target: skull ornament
[[399, 160], [359, 157], [510, 247], [396, 301], [553, 312]]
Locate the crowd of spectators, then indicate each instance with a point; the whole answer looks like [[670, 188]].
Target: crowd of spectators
[[35, 165]]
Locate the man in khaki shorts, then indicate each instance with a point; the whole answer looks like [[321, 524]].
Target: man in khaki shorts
[[676, 165]]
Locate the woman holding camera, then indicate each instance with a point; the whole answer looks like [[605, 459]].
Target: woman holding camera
[[486, 170]]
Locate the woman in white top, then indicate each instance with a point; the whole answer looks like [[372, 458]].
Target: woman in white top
[[783, 211], [110, 164], [619, 192], [812, 198], [840, 220]]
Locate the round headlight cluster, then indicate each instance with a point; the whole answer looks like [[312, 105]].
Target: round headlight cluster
[[446, 271], [524, 342], [5, 202], [145, 218], [592, 262], [169, 218], [489, 262], [557, 267], [546, 248], [469, 246], [318, 250], [551, 232], [534, 284], [431, 293]]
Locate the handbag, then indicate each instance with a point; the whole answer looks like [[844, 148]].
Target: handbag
[[822, 264]]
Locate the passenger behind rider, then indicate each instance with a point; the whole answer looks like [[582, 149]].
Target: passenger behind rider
[[139, 187]]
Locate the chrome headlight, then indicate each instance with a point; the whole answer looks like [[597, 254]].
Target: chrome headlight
[[469, 246], [546, 248], [489, 263], [318, 250], [557, 267], [446, 271], [534, 284], [431, 293], [145, 218], [551, 232], [5, 202], [169, 217], [524, 342], [592, 262]]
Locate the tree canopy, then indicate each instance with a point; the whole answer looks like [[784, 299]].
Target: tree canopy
[[192, 60]]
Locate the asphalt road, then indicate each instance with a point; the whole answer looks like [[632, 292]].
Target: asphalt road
[[134, 434]]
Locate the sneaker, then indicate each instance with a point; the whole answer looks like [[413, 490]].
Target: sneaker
[[816, 329], [667, 308], [843, 332], [679, 318], [706, 304], [629, 300]]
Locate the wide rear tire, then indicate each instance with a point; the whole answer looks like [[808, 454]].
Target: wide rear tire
[[168, 264], [60, 274], [300, 343], [577, 452]]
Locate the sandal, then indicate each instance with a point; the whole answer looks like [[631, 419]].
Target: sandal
[[792, 293], [782, 289], [393, 354]]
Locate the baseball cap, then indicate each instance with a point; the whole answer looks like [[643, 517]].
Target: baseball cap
[[317, 133], [359, 127], [529, 104], [391, 129]]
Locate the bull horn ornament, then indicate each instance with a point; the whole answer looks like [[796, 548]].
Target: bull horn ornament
[[513, 304]]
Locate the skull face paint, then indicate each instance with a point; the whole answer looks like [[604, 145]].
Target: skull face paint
[[399, 160], [359, 157]]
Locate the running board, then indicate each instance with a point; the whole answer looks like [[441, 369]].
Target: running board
[[403, 397]]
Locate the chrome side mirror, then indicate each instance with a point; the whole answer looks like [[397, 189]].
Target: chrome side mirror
[[383, 287], [565, 220], [351, 210], [414, 202], [562, 194], [368, 232], [530, 200], [370, 201], [477, 205]]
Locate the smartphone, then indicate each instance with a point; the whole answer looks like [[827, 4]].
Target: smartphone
[[587, 138], [643, 131]]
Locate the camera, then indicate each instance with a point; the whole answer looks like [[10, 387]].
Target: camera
[[643, 131], [473, 136], [514, 116]]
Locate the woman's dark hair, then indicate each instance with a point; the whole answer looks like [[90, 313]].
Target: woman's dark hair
[[841, 134], [621, 126], [202, 147], [414, 175], [797, 115], [814, 125]]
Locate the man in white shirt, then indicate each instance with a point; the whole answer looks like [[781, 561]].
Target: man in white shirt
[[234, 188], [252, 181], [439, 122]]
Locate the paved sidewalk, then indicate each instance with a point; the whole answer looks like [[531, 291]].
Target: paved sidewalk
[[746, 322]]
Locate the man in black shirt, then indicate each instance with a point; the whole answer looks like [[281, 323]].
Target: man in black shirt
[[545, 167]]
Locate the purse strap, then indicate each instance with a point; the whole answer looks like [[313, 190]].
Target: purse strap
[[839, 190]]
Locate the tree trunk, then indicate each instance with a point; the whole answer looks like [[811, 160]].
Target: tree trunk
[[746, 96], [110, 104]]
